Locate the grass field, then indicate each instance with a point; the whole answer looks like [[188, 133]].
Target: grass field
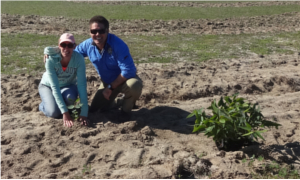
[[23, 53], [86, 11]]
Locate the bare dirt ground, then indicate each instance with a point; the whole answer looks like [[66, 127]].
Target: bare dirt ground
[[157, 142], [287, 22]]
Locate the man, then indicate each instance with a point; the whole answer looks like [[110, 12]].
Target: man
[[114, 64]]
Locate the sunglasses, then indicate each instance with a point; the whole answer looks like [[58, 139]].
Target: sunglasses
[[100, 31], [63, 45]]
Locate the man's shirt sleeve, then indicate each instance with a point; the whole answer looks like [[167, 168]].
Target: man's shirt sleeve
[[82, 48], [125, 62]]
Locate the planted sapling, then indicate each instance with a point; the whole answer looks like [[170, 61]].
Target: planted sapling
[[75, 109], [234, 122]]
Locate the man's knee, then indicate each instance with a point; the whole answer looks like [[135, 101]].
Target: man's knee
[[135, 86]]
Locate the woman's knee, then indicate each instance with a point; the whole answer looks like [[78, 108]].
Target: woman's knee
[[70, 98], [50, 111], [53, 113], [70, 94]]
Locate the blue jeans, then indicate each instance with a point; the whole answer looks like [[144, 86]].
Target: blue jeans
[[49, 106]]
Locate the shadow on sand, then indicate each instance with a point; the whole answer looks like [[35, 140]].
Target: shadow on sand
[[160, 117]]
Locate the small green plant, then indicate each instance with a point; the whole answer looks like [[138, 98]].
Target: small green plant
[[233, 120], [260, 158], [75, 108], [86, 170], [202, 154], [274, 170], [252, 159], [244, 160]]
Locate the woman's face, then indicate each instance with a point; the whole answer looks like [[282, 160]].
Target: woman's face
[[100, 35], [66, 48]]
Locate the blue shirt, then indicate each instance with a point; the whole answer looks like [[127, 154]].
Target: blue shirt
[[56, 78], [114, 60]]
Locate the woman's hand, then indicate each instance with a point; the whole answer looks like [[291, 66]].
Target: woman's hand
[[68, 121], [84, 120], [45, 58]]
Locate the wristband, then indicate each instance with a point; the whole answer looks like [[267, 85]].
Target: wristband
[[110, 87]]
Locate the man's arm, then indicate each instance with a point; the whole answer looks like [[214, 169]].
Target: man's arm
[[120, 80]]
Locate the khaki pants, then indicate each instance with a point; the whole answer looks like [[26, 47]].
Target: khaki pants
[[132, 89]]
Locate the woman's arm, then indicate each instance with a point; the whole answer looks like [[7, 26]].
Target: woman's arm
[[81, 84], [53, 79]]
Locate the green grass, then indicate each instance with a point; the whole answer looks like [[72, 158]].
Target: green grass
[[86, 11], [270, 170], [23, 53], [273, 170]]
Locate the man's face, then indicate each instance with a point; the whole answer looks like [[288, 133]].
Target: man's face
[[98, 38]]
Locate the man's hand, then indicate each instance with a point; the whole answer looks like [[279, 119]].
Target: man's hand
[[106, 93], [84, 120], [45, 57], [68, 121]]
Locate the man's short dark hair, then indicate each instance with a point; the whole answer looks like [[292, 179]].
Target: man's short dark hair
[[100, 20]]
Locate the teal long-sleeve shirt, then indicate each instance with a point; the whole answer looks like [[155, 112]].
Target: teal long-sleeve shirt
[[56, 78]]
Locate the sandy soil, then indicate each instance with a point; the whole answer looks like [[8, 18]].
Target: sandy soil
[[157, 142]]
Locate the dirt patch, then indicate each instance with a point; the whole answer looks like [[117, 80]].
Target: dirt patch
[[157, 142], [287, 22]]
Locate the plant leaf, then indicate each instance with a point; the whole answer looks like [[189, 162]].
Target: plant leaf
[[246, 128], [221, 102], [259, 135], [190, 115], [222, 121], [209, 129], [198, 128], [227, 99], [247, 134], [248, 125], [71, 107]]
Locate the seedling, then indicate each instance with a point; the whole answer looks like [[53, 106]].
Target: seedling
[[202, 154], [252, 159], [86, 170], [244, 160], [75, 108], [233, 120], [276, 171], [260, 158]]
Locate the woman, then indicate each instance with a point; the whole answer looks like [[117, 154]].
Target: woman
[[64, 78]]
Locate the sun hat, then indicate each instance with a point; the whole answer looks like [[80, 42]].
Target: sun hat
[[67, 37]]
